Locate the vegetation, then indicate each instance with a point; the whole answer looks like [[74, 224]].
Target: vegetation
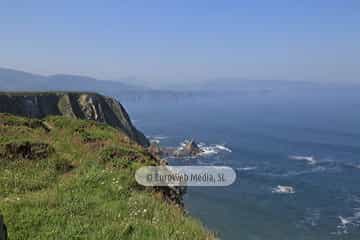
[[63, 178]]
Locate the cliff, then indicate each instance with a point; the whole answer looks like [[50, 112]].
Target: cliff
[[66, 178], [89, 106]]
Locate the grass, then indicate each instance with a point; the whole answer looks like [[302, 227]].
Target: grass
[[84, 188]]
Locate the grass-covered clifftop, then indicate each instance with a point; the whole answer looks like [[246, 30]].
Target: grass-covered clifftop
[[64, 178]]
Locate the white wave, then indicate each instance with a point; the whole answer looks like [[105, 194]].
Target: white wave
[[182, 145], [157, 138], [223, 148], [347, 223], [160, 137], [207, 151], [344, 221], [310, 159], [283, 189], [246, 168], [213, 149], [351, 222], [351, 219], [154, 141]]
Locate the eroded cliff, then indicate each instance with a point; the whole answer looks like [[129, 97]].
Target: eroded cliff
[[90, 106]]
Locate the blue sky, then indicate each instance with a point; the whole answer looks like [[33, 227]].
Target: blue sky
[[158, 42]]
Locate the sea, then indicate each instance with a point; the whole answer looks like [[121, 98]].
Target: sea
[[305, 138]]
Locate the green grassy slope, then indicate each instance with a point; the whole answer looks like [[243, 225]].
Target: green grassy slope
[[62, 178]]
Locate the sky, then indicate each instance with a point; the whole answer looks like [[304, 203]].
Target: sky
[[184, 41]]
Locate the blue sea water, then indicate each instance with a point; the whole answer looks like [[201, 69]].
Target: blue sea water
[[265, 130]]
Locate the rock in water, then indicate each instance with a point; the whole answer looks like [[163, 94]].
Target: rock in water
[[191, 148], [3, 230]]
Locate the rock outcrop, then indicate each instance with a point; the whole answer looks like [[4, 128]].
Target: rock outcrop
[[190, 148], [3, 230], [90, 106], [155, 149]]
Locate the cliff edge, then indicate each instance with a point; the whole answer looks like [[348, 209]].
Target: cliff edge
[[66, 178], [90, 106]]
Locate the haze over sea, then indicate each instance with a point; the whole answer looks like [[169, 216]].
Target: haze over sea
[[305, 137]]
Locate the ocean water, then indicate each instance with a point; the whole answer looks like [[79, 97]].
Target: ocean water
[[306, 138]]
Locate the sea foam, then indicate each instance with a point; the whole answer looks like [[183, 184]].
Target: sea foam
[[212, 149], [246, 168], [157, 138], [283, 189], [310, 159], [349, 223]]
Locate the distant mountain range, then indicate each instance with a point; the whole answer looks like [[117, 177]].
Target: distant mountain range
[[14, 80]]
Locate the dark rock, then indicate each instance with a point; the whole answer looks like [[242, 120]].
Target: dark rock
[[25, 150], [3, 229], [191, 148], [120, 157], [173, 194]]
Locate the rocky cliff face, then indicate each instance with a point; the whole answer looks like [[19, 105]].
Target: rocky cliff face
[[90, 106]]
